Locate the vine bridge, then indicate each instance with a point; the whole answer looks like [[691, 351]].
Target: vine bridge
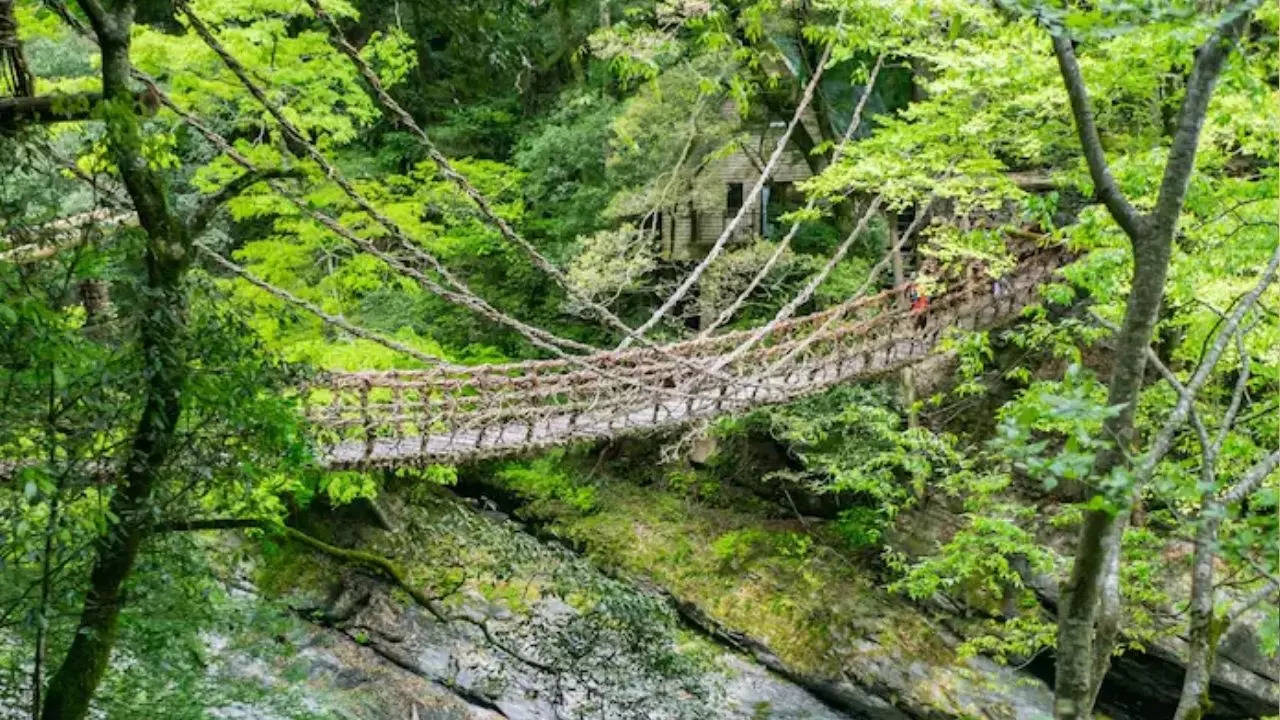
[[401, 418]]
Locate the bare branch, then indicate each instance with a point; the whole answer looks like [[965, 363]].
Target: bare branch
[[1164, 439], [1237, 395], [1252, 478]]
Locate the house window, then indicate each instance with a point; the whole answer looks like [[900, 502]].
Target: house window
[[734, 200]]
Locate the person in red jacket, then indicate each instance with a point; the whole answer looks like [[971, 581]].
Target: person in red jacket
[[919, 304]]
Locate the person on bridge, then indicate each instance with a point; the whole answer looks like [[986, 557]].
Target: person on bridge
[[919, 304]]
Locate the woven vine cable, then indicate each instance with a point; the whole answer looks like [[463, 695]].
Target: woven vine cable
[[530, 333], [334, 174], [785, 242], [719, 245], [474, 301], [809, 288], [334, 320], [401, 116], [871, 275], [533, 334]]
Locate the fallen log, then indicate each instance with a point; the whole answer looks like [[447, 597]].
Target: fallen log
[[17, 112]]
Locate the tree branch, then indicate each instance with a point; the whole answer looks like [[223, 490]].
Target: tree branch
[[204, 214], [49, 109], [358, 557], [1082, 110], [1237, 395], [1164, 439], [1271, 588], [210, 524], [62, 233], [96, 13], [1252, 478], [1204, 75]]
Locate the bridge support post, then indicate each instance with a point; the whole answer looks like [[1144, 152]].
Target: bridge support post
[[906, 381], [365, 419]]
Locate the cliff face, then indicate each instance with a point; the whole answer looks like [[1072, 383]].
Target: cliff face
[[534, 630]]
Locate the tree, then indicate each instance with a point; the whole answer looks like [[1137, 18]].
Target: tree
[[162, 321], [1088, 619], [161, 327]]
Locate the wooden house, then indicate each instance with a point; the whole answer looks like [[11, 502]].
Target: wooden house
[[688, 230]]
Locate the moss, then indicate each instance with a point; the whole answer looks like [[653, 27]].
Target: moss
[[288, 568], [775, 579]]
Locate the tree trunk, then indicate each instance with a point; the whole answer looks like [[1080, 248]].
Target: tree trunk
[[1088, 617], [1200, 651], [15, 77], [161, 326]]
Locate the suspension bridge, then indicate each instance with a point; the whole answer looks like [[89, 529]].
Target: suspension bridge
[[405, 418]]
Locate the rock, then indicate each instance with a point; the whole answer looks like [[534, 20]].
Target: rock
[[575, 644], [702, 449]]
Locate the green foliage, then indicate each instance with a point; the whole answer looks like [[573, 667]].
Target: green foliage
[[861, 527], [736, 548], [547, 484], [850, 441], [979, 562], [1053, 430], [567, 186], [1144, 585]]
